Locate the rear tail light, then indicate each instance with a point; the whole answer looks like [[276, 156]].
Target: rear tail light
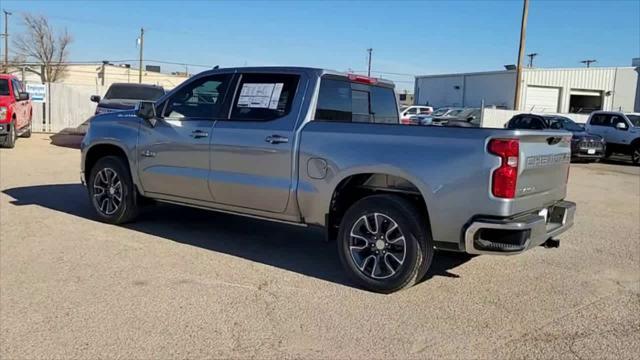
[[504, 178], [363, 79]]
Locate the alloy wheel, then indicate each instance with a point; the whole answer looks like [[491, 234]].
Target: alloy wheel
[[107, 191], [377, 246], [635, 155]]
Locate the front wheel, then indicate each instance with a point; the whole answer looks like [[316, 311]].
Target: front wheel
[[10, 138], [635, 154], [27, 133], [383, 244], [111, 191]]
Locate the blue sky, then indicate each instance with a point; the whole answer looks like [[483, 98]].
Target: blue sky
[[413, 37]]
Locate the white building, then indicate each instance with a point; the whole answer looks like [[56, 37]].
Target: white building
[[573, 90]]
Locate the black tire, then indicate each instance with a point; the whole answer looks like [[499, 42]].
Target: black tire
[[27, 134], [10, 138], [635, 153], [126, 209], [418, 245]]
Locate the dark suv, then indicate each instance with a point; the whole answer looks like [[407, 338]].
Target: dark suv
[[125, 96], [584, 146]]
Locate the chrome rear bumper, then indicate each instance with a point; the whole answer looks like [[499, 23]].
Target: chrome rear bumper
[[514, 236]]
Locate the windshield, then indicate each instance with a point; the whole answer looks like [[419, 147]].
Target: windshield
[[635, 120], [133, 92], [4, 87], [454, 112], [564, 123], [440, 112]]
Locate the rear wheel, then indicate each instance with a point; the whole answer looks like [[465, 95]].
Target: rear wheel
[[10, 138], [383, 243], [111, 191], [27, 133]]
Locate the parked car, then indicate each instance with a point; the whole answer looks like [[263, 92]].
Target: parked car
[[125, 96], [324, 150], [469, 117], [620, 130], [438, 117], [407, 113], [16, 111], [584, 146], [441, 116], [444, 111]]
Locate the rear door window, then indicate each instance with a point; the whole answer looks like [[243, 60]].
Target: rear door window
[[343, 101], [264, 97]]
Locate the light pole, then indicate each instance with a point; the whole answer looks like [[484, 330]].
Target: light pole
[[6, 40], [369, 50], [523, 38], [588, 62], [141, 45], [531, 56]]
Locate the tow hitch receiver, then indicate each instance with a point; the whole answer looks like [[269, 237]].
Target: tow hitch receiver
[[551, 243]]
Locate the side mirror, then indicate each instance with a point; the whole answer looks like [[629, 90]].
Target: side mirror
[[95, 98], [621, 126], [147, 111], [23, 96]]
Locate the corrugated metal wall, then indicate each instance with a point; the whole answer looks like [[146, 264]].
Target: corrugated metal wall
[[618, 87], [600, 79]]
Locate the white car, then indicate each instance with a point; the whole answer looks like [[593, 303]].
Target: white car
[[406, 114]]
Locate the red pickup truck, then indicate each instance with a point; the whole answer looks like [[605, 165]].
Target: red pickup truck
[[15, 111]]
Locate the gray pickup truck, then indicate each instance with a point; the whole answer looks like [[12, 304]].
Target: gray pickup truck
[[325, 150]]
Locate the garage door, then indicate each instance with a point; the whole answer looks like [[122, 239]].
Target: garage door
[[542, 99]]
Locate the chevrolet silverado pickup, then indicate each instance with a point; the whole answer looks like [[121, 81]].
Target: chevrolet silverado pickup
[[326, 151]]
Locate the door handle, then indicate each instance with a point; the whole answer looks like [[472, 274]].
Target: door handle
[[276, 139], [197, 134]]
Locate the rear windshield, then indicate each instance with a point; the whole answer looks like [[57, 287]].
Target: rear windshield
[[342, 100], [133, 92], [4, 87], [440, 112]]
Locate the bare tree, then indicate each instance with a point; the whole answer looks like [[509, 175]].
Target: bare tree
[[39, 43]]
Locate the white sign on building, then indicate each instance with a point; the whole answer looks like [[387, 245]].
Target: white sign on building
[[37, 92]]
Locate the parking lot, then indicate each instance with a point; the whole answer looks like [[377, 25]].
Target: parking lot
[[190, 283]]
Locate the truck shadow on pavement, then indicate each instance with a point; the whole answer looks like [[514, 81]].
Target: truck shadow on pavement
[[279, 245]]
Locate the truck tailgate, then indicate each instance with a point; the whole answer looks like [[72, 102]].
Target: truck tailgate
[[544, 165]]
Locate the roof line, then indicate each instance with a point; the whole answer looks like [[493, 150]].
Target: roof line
[[525, 69]]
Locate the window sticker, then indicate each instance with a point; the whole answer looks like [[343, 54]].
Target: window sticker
[[261, 96]]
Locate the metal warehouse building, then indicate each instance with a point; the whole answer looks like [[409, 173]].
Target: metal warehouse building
[[579, 90]]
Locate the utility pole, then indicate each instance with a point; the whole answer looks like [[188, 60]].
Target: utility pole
[[523, 39], [6, 40], [531, 56], [141, 45], [588, 62], [369, 50]]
